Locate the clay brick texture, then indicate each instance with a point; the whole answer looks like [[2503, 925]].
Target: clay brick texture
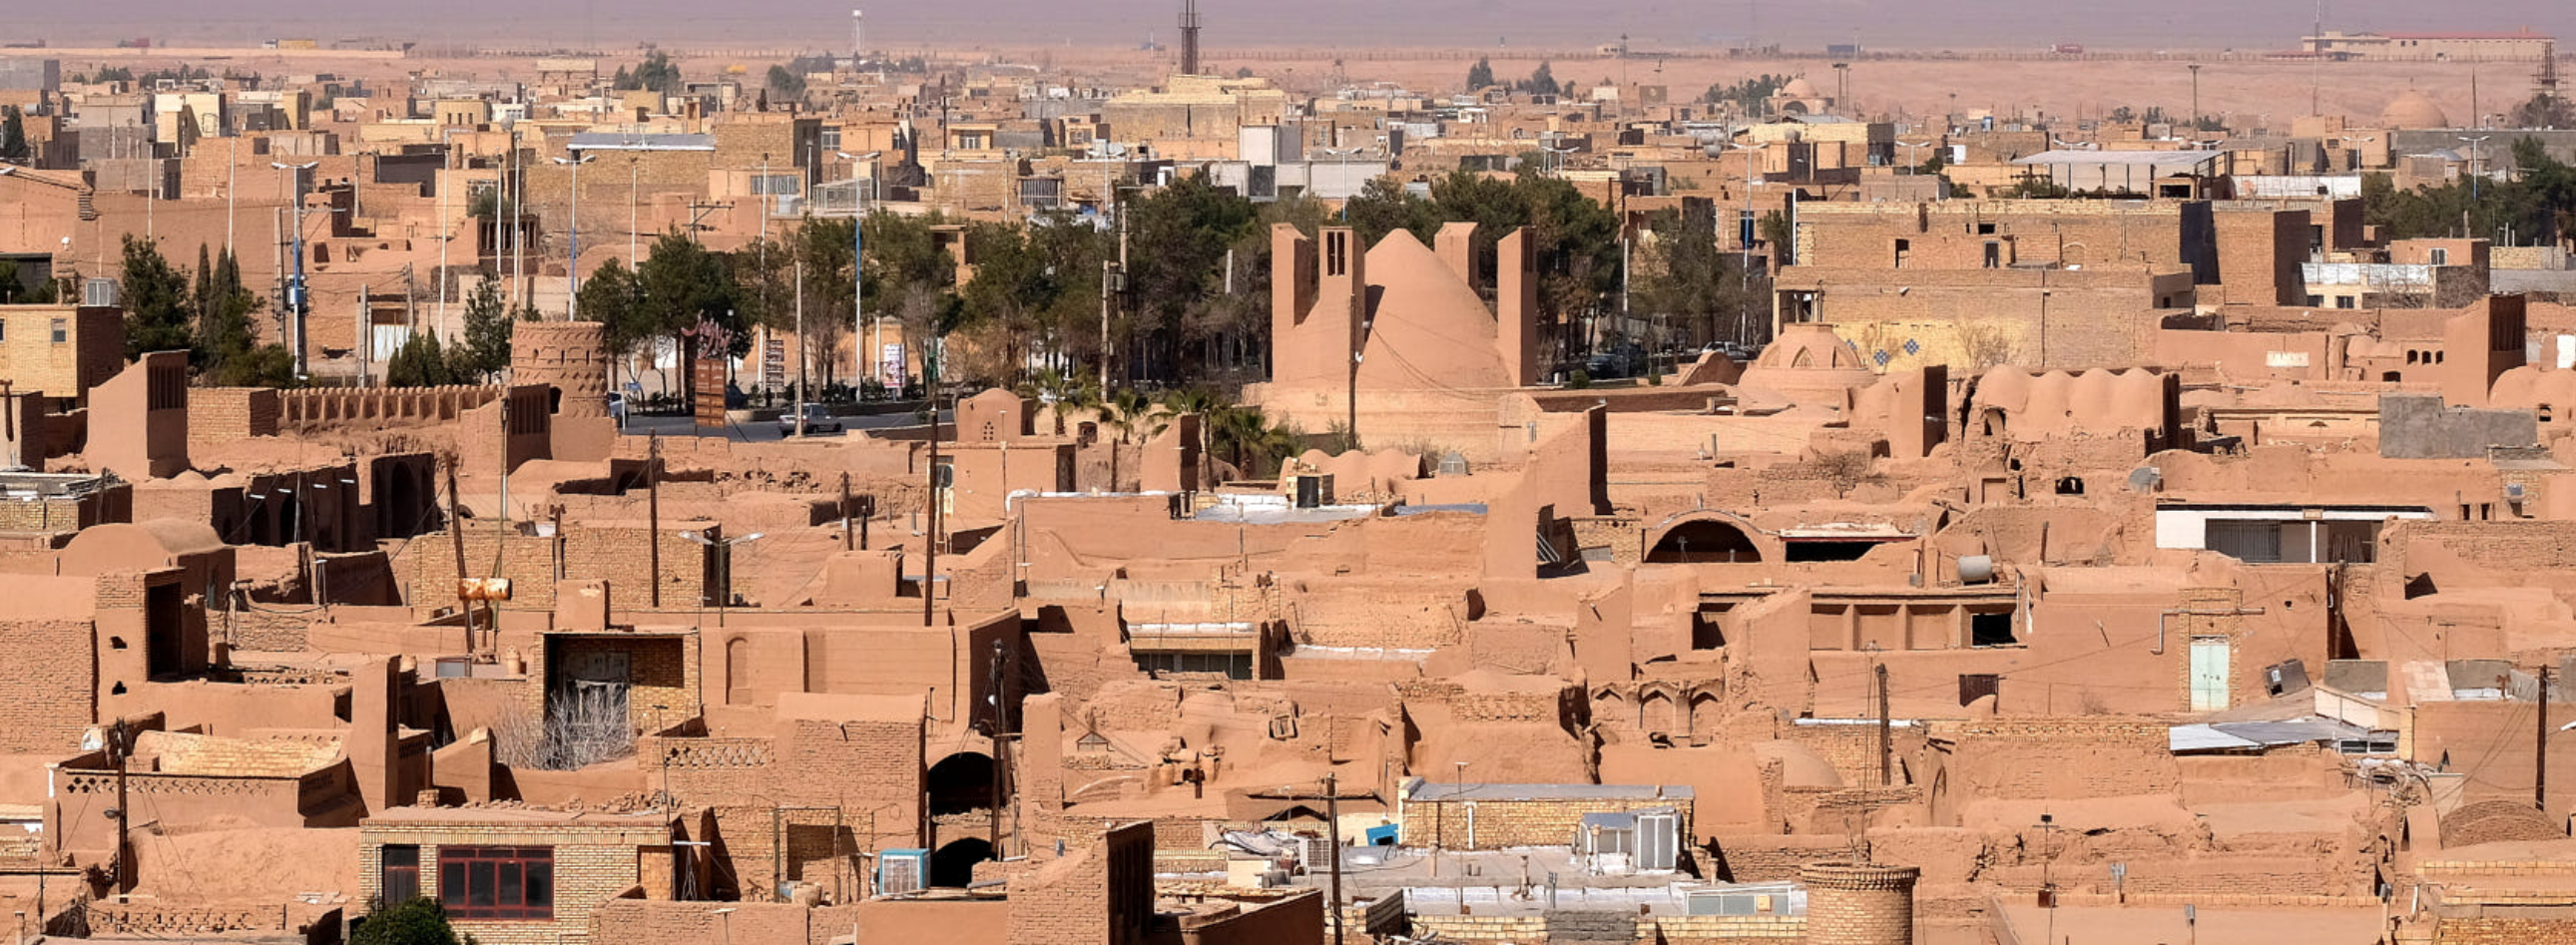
[[50, 677]]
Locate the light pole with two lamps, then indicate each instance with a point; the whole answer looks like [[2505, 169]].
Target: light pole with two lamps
[[572, 244]]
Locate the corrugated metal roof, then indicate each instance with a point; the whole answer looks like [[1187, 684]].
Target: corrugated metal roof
[[2152, 158], [2184, 739], [618, 141]]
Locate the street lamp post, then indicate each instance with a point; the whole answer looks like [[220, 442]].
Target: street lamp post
[[858, 266], [2475, 152], [572, 243], [295, 288], [1913, 151]]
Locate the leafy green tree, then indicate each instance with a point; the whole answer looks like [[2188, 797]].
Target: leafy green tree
[[156, 295], [421, 921], [823, 247], [13, 137], [1481, 75], [229, 354], [1542, 81], [656, 73], [612, 297], [2545, 110], [1179, 236], [1749, 96], [685, 284], [420, 362], [485, 349], [786, 83]]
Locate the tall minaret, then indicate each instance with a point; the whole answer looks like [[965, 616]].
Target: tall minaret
[[1189, 37], [858, 37]]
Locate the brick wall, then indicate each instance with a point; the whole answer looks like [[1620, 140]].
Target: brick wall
[[218, 415], [592, 863], [613, 554], [1499, 823], [2485, 931], [1103, 894], [1859, 904], [50, 677]]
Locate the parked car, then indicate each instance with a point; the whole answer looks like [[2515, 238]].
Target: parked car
[[818, 419]]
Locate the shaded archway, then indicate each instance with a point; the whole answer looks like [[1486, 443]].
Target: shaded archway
[[960, 783], [1657, 713], [1703, 541], [1610, 711], [953, 866]]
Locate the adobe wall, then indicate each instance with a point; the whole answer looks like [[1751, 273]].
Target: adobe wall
[[318, 407], [2064, 758]]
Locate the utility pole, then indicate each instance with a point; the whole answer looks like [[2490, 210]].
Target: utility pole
[[456, 536], [120, 746], [2195, 98], [652, 513], [1886, 744], [930, 539], [1333, 828], [2540, 747], [804, 389], [849, 540]]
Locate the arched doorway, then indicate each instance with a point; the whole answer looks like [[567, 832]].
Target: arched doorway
[[960, 783], [953, 866], [1703, 541]]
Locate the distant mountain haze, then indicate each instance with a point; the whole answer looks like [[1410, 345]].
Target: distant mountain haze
[[1650, 24]]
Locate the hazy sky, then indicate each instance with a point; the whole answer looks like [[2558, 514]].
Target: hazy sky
[[1912, 24]]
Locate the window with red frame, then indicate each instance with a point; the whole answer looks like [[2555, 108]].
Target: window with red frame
[[506, 883]]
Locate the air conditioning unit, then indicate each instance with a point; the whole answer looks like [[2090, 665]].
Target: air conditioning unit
[[1315, 854], [2514, 492], [902, 871], [99, 293]]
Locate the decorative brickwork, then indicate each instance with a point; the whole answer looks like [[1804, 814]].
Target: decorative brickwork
[[1859, 904]]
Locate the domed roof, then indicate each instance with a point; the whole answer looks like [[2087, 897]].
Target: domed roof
[[1799, 88], [2413, 110], [1810, 346]]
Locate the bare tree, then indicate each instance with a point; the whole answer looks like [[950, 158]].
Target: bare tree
[[581, 726]]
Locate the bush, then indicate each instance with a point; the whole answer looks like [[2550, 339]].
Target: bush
[[417, 922], [1578, 380]]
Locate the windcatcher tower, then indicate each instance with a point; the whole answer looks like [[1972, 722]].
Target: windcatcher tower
[[1189, 37]]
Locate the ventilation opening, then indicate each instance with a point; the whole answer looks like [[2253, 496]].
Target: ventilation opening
[[1829, 550], [1994, 629], [2070, 485]]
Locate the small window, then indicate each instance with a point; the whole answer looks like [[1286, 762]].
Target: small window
[[2441, 256], [2316, 301], [1994, 629], [505, 883], [1985, 229], [398, 879], [62, 331]]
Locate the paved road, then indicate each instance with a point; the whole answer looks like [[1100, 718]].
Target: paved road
[[766, 431]]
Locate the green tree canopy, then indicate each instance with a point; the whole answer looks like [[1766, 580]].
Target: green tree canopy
[[156, 296], [421, 921], [1480, 75]]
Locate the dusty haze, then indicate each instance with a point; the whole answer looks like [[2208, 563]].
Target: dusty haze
[[2200, 24]]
